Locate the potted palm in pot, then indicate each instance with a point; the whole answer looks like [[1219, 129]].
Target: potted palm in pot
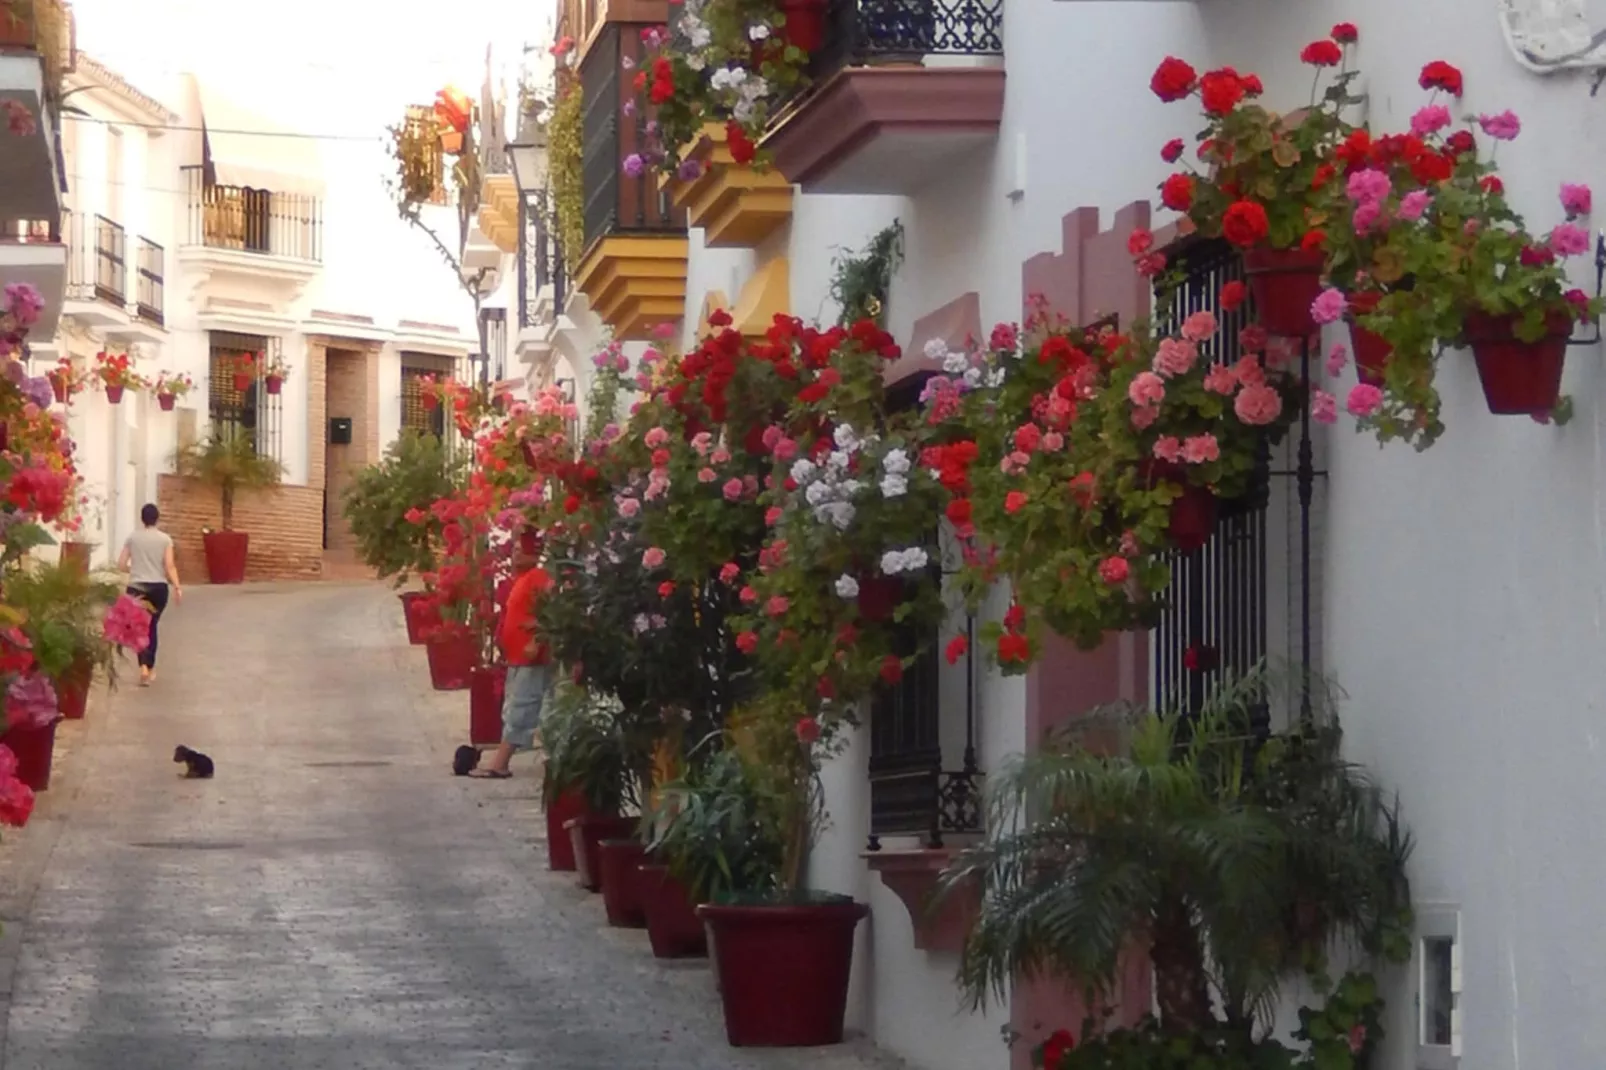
[[229, 463], [65, 611]]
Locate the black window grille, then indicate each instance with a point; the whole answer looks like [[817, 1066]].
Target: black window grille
[[417, 416], [244, 407], [111, 262], [149, 295], [540, 259]]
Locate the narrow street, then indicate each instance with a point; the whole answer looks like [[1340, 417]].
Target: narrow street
[[334, 898]]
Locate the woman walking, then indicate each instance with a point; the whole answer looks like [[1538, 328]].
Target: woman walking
[[148, 557]]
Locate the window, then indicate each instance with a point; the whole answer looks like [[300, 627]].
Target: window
[[415, 415], [1437, 966], [243, 408]]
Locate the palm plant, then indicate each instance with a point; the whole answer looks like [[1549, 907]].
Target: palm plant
[[230, 463], [1236, 858]]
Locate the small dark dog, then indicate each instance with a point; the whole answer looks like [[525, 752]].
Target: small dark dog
[[199, 766], [465, 761]]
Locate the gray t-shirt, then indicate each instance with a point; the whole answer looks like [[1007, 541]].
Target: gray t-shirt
[[147, 552]]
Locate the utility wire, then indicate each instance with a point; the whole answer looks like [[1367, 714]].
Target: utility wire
[[367, 138]]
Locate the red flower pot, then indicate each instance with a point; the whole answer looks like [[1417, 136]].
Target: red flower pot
[[805, 23], [621, 883], [673, 927], [879, 597], [76, 555], [486, 685], [1371, 351], [274, 383], [242, 381], [1193, 514], [58, 386], [72, 690], [1519, 378], [421, 616], [586, 834], [451, 659], [1284, 283], [166, 401], [225, 555], [35, 748], [783, 970], [431, 401], [114, 394], [559, 847]]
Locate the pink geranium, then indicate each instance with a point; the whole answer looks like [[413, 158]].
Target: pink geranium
[[1167, 448], [1174, 357], [128, 623], [732, 490], [1576, 200], [1201, 449], [1323, 406], [1199, 326], [31, 701], [653, 557], [1147, 389], [1257, 404], [1364, 400]]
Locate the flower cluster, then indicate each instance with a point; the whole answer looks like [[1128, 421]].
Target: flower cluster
[[172, 384]]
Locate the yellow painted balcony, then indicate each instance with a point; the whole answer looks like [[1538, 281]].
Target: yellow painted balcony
[[635, 281], [736, 206], [499, 211]]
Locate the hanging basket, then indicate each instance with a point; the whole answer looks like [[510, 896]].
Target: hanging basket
[[274, 383], [114, 394], [242, 381], [58, 386], [1285, 282], [1372, 351], [1193, 514], [805, 24], [166, 401], [1519, 378]]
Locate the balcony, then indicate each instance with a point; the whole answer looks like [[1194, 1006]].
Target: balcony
[[248, 250], [633, 269], [149, 286], [36, 52], [543, 280], [736, 206], [32, 251], [899, 91], [98, 280]]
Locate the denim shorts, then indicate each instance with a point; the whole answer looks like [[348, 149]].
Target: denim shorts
[[521, 704]]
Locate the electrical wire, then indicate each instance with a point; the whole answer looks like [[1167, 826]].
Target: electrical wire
[[366, 138]]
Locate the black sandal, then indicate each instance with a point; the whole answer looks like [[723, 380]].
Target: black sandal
[[489, 774]]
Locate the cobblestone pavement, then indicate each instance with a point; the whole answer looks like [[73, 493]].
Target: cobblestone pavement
[[334, 898]]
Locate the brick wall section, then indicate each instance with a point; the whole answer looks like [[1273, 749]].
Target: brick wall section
[[353, 390], [317, 410], [285, 525]]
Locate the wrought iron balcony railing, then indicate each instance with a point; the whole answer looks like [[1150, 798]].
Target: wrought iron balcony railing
[[248, 220], [111, 262], [540, 261], [864, 31], [149, 286]]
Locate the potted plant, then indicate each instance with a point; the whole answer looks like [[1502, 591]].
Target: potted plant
[[229, 463], [584, 757], [274, 374], [169, 387], [85, 513], [116, 373], [245, 371], [75, 623], [66, 379]]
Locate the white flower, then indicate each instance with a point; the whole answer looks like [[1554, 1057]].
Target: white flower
[[936, 349], [849, 487], [695, 61], [697, 34], [844, 437], [894, 487], [995, 378], [847, 586], [896, 462], [954, 363], [838, 460], [802, 471], [816, 493], [842, 514], [895, 561], [757, 32], [727, 78], [972, 377], [641, 623]]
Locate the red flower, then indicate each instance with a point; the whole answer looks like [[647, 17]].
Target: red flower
[[808, 729], [1244, 224], [1220, 91], [1138, 242], [663, 80], [747, 642], [1313, 241], [1176, 192], [1015, 617], [742, 148], [571, 504], [1345, 33], [1323, 53], [1492, 184], [666, 588], [959, 511], [956, 649], [1014, 502], [1440, 75], [1172, 152], [1322, 176], [1173, 79], [1232, 295], [1059, 1044], [1014, 649], [825, 689], [1461, 142], [891, 669], [1252, 85]]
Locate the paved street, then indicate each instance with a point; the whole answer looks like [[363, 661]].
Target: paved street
[[334, 898]]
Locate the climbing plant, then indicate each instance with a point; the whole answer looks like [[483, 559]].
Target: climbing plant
[[862, 280], [568, 186]]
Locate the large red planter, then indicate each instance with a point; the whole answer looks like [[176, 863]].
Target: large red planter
[[1284, 283], [805, 23], [559, 847], [783, 970], [1519, 378], [486, 685], [1372, 352], [76, 555], [72, 690], [620, 861], [673, 927], [35, 748], [586, 834], [58, 386], [420, 614], [225, 555], [451, 659], [243, 381]]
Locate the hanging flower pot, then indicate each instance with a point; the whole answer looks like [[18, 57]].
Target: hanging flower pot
[[673, 927], [35, 749], [274, 383], [621, 882], [166, 401], [114, 394], [805, 24], [568, 806], [72, 690], [242, 381], [1284, 283], [58, 386], [1372, 351], [1193, 514], [1519, 378], [486, 686]]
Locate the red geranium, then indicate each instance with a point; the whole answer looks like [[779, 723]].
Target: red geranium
[[1244, 224], [1323, 53], [1441, 75], [1220, 91], [1059, 1044], [1173, 79], [1172, 151], [1176, 193], [1345, 33]]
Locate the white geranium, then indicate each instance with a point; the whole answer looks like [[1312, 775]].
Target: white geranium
[[841, 514], [995, 378], [727, 78], [894, 486], [847, 586], [972, 378], [844, 437], [817, 493], [802, 471], [838, 460], [896, 462], [912, 559], [758, 32]]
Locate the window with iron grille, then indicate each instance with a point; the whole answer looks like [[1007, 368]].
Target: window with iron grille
[[415, 415], [244, 408]]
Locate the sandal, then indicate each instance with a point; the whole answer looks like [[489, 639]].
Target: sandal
[[490, 774]]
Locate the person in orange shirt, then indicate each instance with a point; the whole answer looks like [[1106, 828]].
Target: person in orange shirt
[[526, 658]]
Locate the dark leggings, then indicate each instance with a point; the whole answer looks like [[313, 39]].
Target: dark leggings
[[154, 595]]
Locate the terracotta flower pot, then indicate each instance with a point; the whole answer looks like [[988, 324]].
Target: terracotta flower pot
[[783, 970], [620, 861], [58, 386], [226, 553], [451, 142], [1372, 352], [805, 24], [242, 381], [673, 927], [76, 555], [35, 749], [559, 847], [274, 383], [586, 834], [420, 615], [72, 690], [451, 659], [166, 401], [114, 394], [1284, 283], [1519, 378], [486, 685], [1193, 514]]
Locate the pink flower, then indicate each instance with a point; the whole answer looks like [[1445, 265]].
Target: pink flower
[[1364, 400], [1323, 406], [1174, 357], [1569, 239], [1576, 199], [747, 595], [1167, 448], [772, 515], [1144, 416], [1220, 380], [707, 475], [1147, 389], [128, 624], [1430, 120], [629, 507], [1413, 204], [1114, 570], [772, 435], [1328, 306], [776, 605], [1199, 326], [1003, 338], [721, 456], [1367, 186], [653, 557], [1252, 339], [729, 571], [1257, 404], [732, 490], [702, 442], [1053, 442], [1201, 449], [1503, 127], [785, 449], [1337, 359], [31, 701], [1249, 372], [655, 438], [1279, 351], [1366, 216]]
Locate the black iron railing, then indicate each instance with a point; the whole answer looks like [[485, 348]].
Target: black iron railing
[[111, 262], [253, 220], [540, 259], [862, 31], [150, 287], [250, 411], [416, 415], [615, 201]]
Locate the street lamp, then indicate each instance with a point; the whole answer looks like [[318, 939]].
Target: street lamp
[[529, 166]]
